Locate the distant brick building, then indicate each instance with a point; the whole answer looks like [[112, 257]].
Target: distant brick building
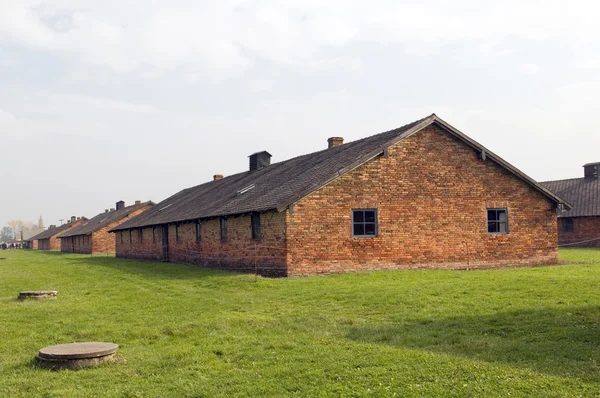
[[422, 196], [48, 240], [92, 236], [579, 226]]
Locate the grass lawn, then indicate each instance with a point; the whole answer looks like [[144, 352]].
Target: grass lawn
[[190, 332]]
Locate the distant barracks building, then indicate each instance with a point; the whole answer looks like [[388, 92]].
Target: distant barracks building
[[579, 226], [49, 239], [421, 196], [92, 236]]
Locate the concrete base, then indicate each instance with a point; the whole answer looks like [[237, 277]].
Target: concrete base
[[77, 355], [38, 295]]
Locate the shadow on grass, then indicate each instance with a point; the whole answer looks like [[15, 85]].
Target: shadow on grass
[[561, 342], [154, 270]]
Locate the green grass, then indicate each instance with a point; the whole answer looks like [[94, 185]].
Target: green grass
[[190, 332]]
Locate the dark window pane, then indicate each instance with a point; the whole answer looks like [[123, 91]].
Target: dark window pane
[[492, 227], [369, 216], [369, 229], [358, 216], [359, 229]]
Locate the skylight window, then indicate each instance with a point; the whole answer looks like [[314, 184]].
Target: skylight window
[[244, 190], [169, 205]]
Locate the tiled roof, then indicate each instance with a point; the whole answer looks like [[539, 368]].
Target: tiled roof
[[279, 185], [582, 193], [103, 219], [50, 232]]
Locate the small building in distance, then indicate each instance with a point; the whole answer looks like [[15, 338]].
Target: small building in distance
[[421, 196], [92, 236], [48, 240], [579, 226]]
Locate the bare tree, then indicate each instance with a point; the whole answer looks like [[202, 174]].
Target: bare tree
[[7, 234], [17, 227]]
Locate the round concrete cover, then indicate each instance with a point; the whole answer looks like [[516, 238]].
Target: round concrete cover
[[78, 350]]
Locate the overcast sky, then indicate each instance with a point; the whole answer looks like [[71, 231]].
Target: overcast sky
[[115, 99]]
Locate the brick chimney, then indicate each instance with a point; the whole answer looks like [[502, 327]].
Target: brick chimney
[[591, 171], [138, 202], [217, 177], [73, 218], [259, 160], [335, 141], [120, 205]]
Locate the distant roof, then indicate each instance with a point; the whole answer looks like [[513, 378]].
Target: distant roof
[[279, 185], [50, 232], [582, 193], [103, 219]]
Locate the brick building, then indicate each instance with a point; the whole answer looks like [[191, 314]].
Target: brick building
[[579, 226], [92, 236], [48, 240], [423, 195]]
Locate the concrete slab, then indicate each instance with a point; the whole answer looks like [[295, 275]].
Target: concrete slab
[[76, 355], [38, 294]]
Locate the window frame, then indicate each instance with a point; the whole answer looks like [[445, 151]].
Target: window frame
[[141, 235], [365, 223], [223, 228], [153, 234], [177, 236], [255, 226], [497, 220], [567, 225]]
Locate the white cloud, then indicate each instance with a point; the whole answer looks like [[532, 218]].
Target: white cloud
[[220, 38], [530, 69], [10, 126]]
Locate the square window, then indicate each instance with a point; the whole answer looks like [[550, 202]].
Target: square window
[[567, 225], [497, 221], [364, 223]]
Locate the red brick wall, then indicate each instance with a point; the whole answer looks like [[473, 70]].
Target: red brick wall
[[35, 244], [586, 232], [239, 252], [431, 193], [128, 244]]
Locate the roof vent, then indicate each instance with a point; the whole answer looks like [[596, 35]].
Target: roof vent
[[138, 202], [335, 141], [591, 171], [120, 205], [73, 218], [106, 210], [217, 177], [259, 160], [112, 209]]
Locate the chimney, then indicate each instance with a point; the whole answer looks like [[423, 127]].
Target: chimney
[[335, 141], [217, 177], [52, 227], [591, 171], [138, 202], [259, 160], [106, 210], [112, 209], [120, 205], [73, 218]]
